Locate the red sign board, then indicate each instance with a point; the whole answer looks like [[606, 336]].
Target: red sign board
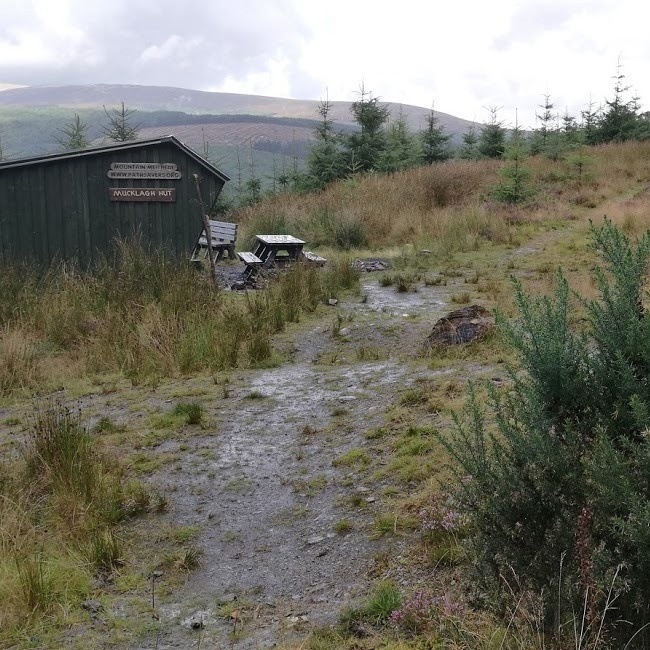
[[160, 194]]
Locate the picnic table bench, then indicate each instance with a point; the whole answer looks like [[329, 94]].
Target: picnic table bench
[[222, 239], [252, 262], [270, 250]]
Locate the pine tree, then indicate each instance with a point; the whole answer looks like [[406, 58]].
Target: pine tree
[[120, 127], [469, 150], [620, 119], [546, 119], [253, 186], [401, 150], [325, 159], [547, 138], [590, 119], [74, 135], [570, 131], [364, 147], [514, 187], [435, 142], [208, 151], [491, 143]]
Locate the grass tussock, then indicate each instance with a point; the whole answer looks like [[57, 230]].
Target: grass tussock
[[61, 500], [146, 315]]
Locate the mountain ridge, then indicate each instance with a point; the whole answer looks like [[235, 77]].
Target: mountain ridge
[[170, 98]]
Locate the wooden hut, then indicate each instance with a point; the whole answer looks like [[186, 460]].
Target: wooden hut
[[74, 205]]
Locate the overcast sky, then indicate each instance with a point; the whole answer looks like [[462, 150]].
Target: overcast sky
[[463, 54]]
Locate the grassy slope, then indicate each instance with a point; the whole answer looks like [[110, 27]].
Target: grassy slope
[[34, 131], [473, 242]]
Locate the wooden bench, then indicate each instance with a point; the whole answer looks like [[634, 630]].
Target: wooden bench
[[223, 238], [312, 258], [252, 263]]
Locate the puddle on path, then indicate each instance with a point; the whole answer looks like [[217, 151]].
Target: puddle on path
[[267, 495], [426, 300]]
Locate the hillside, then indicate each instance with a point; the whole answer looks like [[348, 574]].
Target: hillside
[[268, 468], [162, 98], [232, 129]]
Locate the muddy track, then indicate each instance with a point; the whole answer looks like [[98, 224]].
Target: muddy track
[[264, 483], [266, 488]]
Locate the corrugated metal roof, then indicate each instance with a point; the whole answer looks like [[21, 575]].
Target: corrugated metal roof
[[115, 146]]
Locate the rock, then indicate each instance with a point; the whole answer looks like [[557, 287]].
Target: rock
[[226, 598], [370, 265], [332, 302], [93, 606], [197, 621], [464, 325], [317, 539]]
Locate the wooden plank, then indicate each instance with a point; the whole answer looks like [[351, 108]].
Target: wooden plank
[[216, 241], [101, 212], [70, 247], [39, 221], [85, 239], [54, 219], [8, 218], [250, 259], [187, 220]]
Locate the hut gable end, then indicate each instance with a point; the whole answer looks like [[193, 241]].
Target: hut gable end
[[74, 205]]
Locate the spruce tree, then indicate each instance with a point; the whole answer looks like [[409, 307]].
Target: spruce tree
[[365, 146], [492, 140], [74, 135], [435, 142], [514, 187], [620, 118], [120, 124], [590, 118], [325, 159], [546, 119], [402, 150], [469, 150], [570, 131]]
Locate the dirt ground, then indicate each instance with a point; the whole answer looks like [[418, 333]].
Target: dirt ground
[[264, 483], [265, 487]]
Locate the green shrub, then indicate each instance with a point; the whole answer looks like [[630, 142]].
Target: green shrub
[[557, 481]]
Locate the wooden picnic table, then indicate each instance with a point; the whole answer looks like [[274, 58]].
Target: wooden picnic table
[[267, 247]]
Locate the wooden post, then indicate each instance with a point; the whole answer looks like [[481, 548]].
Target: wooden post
[[208, 232]]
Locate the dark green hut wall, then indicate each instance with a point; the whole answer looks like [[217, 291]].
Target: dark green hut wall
[[61, 209]]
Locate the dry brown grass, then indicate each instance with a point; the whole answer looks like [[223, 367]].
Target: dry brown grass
[[19, 365], [396, 208], [449, 204]]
